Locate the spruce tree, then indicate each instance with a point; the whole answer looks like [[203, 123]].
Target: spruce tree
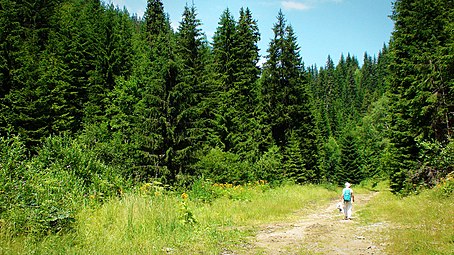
[[224, 71], [244, 134], [155, 111], [285, 98], [113, 60], [189, 95], [155, 19], [24, 32], [419, 79], [74, 50], [349, 168]]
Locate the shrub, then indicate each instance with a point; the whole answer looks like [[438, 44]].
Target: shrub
[[269, 165], [445, 188], [224, 167], [42, 194]]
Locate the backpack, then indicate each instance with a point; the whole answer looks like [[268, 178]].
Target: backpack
[[347, 195]]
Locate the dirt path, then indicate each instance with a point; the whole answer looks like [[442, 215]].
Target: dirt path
[[324, 232]]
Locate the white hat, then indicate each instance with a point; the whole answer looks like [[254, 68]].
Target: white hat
[[347, 185]]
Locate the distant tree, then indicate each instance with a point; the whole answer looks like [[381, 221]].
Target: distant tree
[[350, 164], [155, 19]]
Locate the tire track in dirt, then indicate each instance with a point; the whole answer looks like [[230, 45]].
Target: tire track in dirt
[[323, 232]]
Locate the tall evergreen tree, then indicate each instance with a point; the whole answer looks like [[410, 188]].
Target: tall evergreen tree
[[189, 95], [139, 112], [368, 83], [244, 133], [74, 50], [24, 35], [155, 19], [224, 69], [284, 93], [419, 78], [155, 111], [114, 59]]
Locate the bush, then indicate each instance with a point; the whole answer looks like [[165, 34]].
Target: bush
[[269, 165], [224, 167], [445, 188], [42, 194]]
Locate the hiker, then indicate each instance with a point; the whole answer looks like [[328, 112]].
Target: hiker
[[348, 198]]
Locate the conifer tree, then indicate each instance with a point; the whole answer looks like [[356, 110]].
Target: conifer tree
[[10, 39], [294, 161], [275, 86], [224, 69], [24, 35], [284, 94], [155, 117], [368, 83], [419, 84], [114, 59], [155, 19], [189, 95], [139, 105], [349, 168], [74, 50], [328, 94], [244, 134]]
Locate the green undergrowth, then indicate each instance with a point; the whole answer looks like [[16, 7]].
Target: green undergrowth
[[150, 220], [417, 224]]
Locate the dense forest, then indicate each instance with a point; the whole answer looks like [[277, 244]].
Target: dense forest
[[94, 101]]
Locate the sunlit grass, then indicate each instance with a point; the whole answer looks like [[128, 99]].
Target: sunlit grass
[[156, 224], [171, 223], [420, 224]]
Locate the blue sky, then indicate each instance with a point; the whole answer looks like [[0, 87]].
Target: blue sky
[[323, 27]]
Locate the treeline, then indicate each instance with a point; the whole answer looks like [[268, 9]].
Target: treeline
[[150, 103]]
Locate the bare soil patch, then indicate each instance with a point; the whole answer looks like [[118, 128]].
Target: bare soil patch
[[322, 232]]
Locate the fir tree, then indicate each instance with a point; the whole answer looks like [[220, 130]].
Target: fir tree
[[244, 135], [284, 93], [189, 95], [224, 68], [349, 168], [419, 77]]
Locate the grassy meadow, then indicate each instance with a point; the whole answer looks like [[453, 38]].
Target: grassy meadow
[[418, 224], [204, 221], [215, 218]]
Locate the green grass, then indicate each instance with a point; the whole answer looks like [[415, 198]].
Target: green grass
[[157, 224], [418, 224]]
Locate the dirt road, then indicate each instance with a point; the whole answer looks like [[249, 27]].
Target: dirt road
[[324, 232]]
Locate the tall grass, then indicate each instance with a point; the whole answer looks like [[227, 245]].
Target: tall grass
[[141, 223], [418, 224]]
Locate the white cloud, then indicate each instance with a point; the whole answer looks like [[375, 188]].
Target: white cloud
[[293, 5], [305, 4], [120, 3]]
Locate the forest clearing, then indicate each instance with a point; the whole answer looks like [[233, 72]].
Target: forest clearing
[[122, 134], [290, 219]]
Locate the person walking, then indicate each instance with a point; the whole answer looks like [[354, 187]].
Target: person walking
[[348, 198]]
